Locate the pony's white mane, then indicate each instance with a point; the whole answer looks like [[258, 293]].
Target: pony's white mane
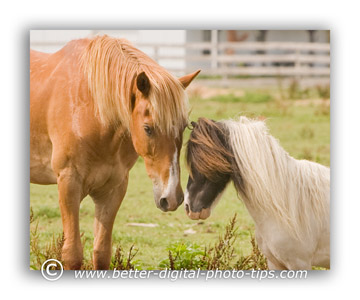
[[295, 192], [111, 66]]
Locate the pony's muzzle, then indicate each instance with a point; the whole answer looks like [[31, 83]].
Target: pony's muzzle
[[203, 214]]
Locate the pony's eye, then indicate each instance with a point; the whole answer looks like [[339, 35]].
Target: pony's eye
[[148, 130]]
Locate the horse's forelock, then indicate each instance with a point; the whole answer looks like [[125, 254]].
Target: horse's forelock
[[111, 65]]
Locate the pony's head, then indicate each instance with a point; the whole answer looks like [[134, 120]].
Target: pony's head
[[209, 161], [157, 143]]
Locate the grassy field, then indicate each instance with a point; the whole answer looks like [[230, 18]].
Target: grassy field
[[302, 125]]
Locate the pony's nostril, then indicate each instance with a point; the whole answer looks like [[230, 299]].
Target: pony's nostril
[[187, 208], [163, 203]]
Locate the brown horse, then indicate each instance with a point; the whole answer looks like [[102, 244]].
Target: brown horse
[[96, 105]]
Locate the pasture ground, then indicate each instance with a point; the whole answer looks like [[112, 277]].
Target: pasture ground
[[299, 118]]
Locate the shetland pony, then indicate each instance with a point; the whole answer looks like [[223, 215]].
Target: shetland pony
[[288, 199], [95, 105]]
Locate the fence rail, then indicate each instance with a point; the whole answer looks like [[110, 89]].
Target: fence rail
[[229, 59]]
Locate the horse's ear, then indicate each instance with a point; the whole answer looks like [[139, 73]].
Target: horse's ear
[[193, 124], [186, 80], [143, 84]]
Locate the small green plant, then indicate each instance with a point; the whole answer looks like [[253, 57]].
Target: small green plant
[[184, 256], [220, 256]]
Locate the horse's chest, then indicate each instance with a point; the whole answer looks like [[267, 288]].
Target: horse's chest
[[111, 170]]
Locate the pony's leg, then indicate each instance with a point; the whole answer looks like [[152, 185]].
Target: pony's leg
[[273, 264], [106, 207], [298, 264], [70, 196]]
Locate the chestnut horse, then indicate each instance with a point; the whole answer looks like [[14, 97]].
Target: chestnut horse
[[95, 105]]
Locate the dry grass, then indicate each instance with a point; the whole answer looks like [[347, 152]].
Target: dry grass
[[52, 250], [220, 256]]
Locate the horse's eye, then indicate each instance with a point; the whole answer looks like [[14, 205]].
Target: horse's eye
[[148, 130]]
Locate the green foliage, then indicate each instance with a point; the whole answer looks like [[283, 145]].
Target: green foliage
[[220, 256], [183, 256]]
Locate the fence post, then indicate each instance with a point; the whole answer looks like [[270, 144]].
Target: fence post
[[214, 49], [156, 53], [297, 65]]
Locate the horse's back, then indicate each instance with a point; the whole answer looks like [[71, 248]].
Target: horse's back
[[53, 80], [40, 143]]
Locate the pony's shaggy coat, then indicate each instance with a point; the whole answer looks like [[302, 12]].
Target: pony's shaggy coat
[[207, 150], [295, 192], [112, 65]]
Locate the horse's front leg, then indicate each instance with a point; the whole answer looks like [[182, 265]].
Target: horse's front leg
[[70, 196], [107, 204]]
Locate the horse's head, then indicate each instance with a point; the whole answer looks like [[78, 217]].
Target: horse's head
[[209, 162], [160, 148]]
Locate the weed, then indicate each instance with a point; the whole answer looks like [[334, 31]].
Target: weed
[[120, 262], [296, 92], [306, 154], [51, 250], [323, 91], [220, 256], [324, 108], [255, 261]]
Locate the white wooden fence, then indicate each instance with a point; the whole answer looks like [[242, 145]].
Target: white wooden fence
[[232, 59], [249, 58]]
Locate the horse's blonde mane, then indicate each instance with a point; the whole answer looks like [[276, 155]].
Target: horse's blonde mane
[[111, 66], [295, 192]]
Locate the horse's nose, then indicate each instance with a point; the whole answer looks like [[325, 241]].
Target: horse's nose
[[164, 204]]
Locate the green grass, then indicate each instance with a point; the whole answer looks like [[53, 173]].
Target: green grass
[[249, 97], [303, 130]]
